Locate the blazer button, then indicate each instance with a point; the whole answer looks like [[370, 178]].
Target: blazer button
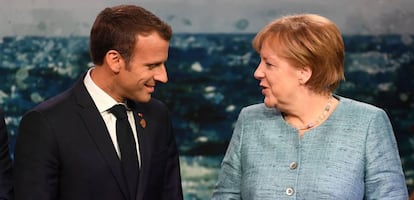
[[293, 165], [290, 191]]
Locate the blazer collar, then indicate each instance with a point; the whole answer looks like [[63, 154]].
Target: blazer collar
[[140, 112], [98, 131]]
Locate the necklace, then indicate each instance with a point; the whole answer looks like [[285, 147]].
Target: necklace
[[319, 119]]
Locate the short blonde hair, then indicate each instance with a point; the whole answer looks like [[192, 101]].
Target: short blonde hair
[[308, 40]]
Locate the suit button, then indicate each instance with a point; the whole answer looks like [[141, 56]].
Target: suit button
[[293, 165], [290, 191]]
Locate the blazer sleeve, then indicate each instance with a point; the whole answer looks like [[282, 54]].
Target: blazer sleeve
[[36, 161], [172, 188], [384, 177], [6, 189], [160, 172], [229, 180]]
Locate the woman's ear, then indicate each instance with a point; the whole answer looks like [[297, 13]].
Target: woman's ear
[[114, 60], [305, 74]]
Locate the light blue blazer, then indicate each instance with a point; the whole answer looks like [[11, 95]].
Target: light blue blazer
[[352, 155]]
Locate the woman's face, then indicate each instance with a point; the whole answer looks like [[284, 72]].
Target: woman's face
[[279, 79]]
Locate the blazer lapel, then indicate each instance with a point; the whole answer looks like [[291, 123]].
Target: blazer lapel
[[98, 131], [144, 148]]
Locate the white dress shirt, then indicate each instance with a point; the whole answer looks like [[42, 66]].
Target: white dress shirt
[[104, 102]]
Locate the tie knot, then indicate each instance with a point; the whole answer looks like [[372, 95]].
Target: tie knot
[[119, 111]]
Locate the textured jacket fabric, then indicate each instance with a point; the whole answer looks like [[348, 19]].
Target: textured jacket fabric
[[352, 155]]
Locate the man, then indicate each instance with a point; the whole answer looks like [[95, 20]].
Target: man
[[6, 190], [68, 147]]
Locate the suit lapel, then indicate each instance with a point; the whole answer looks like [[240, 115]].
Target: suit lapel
[[144, 145], [99, 133]]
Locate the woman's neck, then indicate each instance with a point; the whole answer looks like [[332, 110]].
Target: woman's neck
[[309, 112]]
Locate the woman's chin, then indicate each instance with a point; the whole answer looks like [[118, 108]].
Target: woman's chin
[[268, 103]]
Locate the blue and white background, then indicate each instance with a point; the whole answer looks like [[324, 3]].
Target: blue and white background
[[44, 48]]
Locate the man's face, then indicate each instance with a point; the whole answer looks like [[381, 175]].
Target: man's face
[[137, 79]]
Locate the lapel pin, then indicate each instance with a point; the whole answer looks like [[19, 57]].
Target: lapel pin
[[142, 121]]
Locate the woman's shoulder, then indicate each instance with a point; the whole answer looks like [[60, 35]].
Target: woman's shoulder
[[358, 106], [259, 110]]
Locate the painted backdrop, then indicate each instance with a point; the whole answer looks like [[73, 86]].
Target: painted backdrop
[[44, 47]]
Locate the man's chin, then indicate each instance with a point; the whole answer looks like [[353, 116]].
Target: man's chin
[[143, 99]]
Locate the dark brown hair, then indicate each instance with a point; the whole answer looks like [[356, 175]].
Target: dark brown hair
[[117, 29]]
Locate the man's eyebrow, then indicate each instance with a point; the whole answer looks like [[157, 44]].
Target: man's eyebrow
[[154, 64]]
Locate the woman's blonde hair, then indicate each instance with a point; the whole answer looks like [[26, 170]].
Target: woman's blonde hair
[[308, 40]]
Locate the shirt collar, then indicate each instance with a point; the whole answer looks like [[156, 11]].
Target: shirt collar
[[101, 99]]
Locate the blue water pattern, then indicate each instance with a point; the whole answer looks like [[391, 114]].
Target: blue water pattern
[[210, 80]]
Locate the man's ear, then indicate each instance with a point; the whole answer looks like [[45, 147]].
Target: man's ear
[[305, 74], [114, 60]]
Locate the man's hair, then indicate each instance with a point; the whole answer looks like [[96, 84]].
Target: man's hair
[[117, 28]]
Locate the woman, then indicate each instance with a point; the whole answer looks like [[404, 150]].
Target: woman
[[305, 142]]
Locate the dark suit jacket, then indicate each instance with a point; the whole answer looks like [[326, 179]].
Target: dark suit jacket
[[6, 190], [64, 151]]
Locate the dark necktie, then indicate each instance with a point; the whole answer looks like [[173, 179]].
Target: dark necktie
[[127, 147]]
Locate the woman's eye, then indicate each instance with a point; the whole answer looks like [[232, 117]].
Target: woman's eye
[[269, 64]]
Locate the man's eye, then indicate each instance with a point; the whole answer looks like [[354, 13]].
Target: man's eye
[[152, 66]]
